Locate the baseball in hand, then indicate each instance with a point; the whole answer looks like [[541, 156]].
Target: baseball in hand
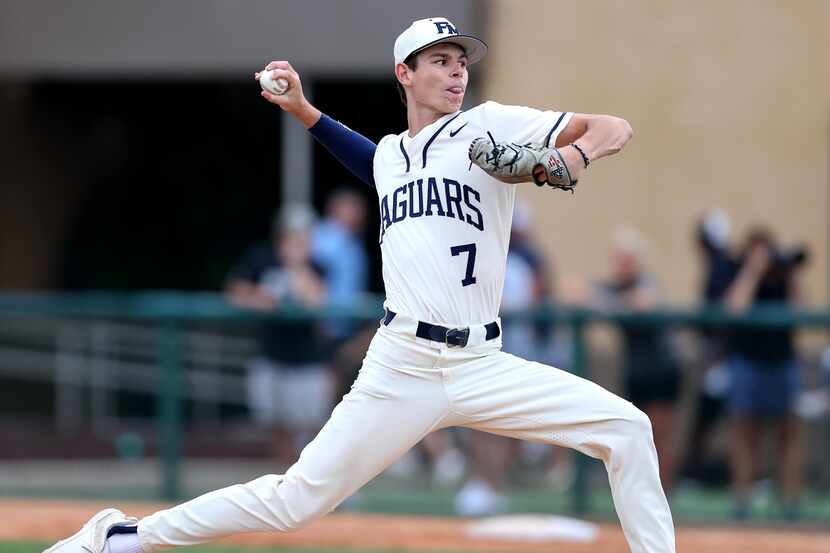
[[267, 82]]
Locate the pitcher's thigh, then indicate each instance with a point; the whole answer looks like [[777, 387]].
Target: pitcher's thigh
[[507, 395], [369, 430]]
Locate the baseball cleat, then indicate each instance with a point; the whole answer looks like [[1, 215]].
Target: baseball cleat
[[92, 537]]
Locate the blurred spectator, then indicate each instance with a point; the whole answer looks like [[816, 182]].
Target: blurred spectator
[[289, 388], [650, 367], [526, 286], [446, 461], [764, 371], [337, 247], [814, 404], [712, 237]]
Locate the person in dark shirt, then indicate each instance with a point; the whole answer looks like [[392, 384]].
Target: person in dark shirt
[[712, 236], [764, 372], [289, 386], [719, 266], [651, 373]]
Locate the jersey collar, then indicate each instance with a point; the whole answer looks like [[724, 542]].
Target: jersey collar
[[428, 130]]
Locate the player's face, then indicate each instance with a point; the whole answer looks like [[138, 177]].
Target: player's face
[[441, 78]]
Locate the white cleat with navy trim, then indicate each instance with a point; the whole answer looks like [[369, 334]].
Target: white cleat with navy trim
[[92, 537]]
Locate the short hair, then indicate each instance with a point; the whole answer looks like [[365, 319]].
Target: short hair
[[411, 62], [293, 217], [342, 193]]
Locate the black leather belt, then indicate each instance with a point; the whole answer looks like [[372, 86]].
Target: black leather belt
[[451, 336]]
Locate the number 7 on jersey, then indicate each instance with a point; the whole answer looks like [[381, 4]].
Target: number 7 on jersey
[[470, 249]]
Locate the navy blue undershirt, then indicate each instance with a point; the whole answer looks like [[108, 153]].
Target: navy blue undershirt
[[353, 150]]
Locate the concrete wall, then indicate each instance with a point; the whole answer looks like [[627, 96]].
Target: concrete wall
[[209, 36], [730, 103]]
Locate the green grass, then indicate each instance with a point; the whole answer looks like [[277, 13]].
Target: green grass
[[689, 505], [17, 547], [417, 496]]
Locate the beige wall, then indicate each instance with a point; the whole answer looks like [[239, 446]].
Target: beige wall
[[730, 103]]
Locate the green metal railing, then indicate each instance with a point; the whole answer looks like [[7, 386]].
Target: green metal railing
[[171, 310]]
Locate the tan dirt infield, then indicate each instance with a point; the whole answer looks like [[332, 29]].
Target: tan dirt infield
[[48, 521]]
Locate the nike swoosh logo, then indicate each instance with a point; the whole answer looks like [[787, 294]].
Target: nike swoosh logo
[[458, 130]]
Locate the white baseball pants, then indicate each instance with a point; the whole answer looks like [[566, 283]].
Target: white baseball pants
[[409, 387]]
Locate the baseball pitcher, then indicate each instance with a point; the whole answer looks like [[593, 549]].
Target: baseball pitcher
[[445, 188]]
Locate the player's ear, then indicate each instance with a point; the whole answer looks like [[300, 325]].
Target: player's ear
[[403, 74]]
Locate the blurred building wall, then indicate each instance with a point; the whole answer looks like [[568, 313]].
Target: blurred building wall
[[38, 194], [730, 103], [135, 40], [209, 36]]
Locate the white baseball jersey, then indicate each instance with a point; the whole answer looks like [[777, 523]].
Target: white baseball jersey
[[445, 225]]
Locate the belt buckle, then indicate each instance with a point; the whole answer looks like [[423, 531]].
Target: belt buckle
[[460, 334]]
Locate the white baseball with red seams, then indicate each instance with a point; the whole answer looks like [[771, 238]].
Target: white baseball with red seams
[[274, 86]]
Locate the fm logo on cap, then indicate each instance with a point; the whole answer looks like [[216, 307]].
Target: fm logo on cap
[[441, 25]]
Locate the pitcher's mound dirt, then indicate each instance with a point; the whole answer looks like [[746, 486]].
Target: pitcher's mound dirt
[[48, 521]]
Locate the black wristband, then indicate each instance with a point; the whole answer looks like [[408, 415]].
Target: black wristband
[[585, 159]]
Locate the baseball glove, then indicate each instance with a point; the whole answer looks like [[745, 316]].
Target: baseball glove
[[513, 163]]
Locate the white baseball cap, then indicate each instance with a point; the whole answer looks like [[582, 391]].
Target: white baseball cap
[[424, 33]]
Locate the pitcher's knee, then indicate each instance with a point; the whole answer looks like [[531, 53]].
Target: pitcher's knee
[[294, 524], [641, 423], [281, 492], [634, 426], [304, 515], [631, 434]]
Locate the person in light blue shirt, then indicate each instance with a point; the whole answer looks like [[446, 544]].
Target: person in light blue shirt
[[337, 247]]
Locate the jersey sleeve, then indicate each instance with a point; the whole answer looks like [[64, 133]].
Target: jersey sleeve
[[352, 149], [522, 124]]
